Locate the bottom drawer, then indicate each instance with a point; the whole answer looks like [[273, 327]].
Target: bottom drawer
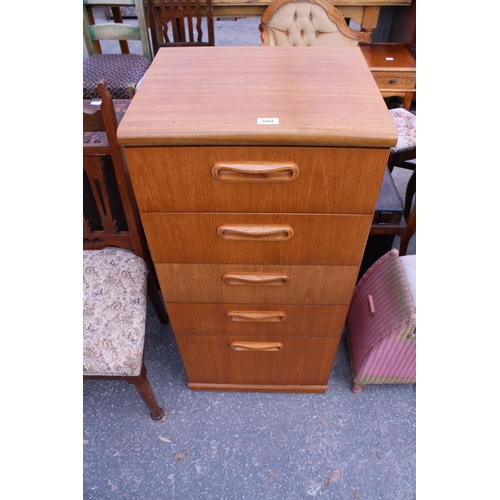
[[257, 364]]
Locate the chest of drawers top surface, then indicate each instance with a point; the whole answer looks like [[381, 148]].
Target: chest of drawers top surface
[[203, 96]]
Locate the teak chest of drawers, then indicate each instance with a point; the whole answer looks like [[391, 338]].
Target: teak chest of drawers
[[256, 172]]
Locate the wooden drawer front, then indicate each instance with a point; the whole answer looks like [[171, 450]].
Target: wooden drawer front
[[256, 320], [395, 81], [229, 283], [300, 362], [257, 238], [329, 180]]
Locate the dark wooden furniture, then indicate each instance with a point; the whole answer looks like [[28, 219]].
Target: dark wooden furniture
[[257, 201], [363, 12], [388, 222], [393, 68], [403, 159], [173, 23], [410, 213], [110, 217], [403, 27], [109, 206]]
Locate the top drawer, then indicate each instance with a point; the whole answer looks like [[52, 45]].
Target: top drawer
[[256, 179]]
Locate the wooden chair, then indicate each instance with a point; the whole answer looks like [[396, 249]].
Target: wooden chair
[[172, 23], [402, 155], [117, 268], [307, 22], [122, 72]]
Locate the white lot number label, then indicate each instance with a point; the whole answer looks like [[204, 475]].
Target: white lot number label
[[268, 121]]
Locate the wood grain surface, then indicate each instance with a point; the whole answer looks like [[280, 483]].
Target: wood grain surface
[[322, 96], [337, 240], [302, 361], [304, 284], [264, 320], [325, 182]]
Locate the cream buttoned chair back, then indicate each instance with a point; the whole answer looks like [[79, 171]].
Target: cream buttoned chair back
[[307, 22]]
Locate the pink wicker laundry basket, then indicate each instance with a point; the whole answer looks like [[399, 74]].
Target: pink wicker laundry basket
[[381, 323]]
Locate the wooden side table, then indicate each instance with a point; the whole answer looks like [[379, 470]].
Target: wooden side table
[[393, 68]]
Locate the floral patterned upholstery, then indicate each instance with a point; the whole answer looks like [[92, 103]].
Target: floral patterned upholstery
[[117, 70], [114, 312], [406, 124]]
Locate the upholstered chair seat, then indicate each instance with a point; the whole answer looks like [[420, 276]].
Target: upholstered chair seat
[[118, 70], [114, 312], [406, 125]]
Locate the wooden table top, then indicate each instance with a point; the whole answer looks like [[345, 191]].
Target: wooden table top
[[388, 57], [322, 96]]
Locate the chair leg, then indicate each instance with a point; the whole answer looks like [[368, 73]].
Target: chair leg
[[144, 389], [411, 188], [409, 214], [411, 227], [156, 299]]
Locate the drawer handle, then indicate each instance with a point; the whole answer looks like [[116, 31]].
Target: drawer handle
[[268, 279], [255, 233], [392, 80], [257, 346], [256, 316], [255, 172]]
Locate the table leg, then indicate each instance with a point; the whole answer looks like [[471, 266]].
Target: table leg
[[370, 18]]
